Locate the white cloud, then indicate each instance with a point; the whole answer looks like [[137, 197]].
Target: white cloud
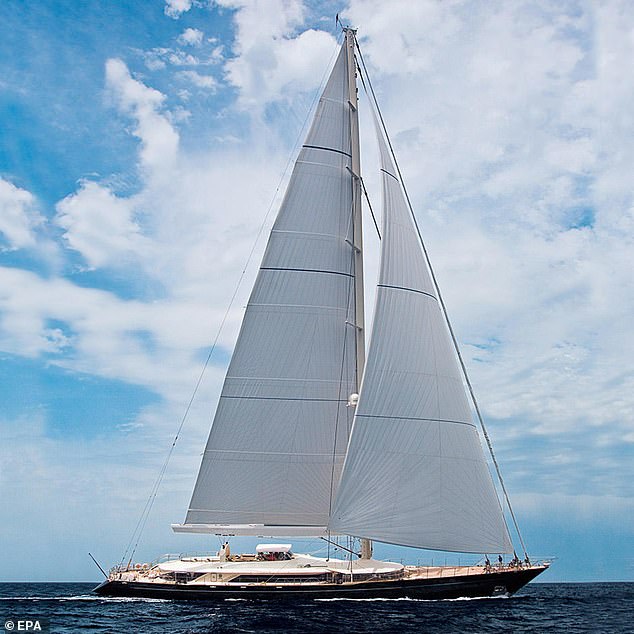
[[159, 139], [103, 331], [191, 37], [201, 81], [175, 8], [18, 216], [185, 231], [181, 58], [101, 226], [160, 57], [272, 62]]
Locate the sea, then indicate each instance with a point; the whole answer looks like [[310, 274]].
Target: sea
[[540, 607]]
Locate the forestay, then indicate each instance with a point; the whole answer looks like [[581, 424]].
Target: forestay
[[281, 428], [415, 473]]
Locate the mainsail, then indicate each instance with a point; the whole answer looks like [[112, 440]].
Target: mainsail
[[415, 472], [278, 440]]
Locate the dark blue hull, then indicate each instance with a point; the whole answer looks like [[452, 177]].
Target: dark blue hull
[[488, 584]]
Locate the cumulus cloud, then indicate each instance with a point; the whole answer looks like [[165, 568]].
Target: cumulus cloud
[[158, 137], [271, 62], [161, 57], [18, 216], [103, 331], [101, 226], [176, 8], [191, 37], [201, 81], [185, 230]]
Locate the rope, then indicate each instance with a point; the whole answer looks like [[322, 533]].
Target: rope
[[365, 191], [140, 525], [367, 198], [442, 303]]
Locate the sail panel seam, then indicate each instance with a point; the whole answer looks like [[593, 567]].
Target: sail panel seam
[[431, 420], [404, 288], [390, 174], [282, 378], [330, 308], [249, 525], [338, 168], [281, 398], [281, 268], [327, 149], [308, 233], [270, 453]]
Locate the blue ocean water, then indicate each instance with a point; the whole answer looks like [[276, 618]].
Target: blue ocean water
[[562, 607]]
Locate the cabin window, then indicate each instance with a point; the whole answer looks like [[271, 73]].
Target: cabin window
[[278, 579], [186, 577]]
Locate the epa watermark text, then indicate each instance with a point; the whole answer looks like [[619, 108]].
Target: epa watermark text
[[27, 624]]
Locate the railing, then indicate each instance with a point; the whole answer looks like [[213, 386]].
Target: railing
[[177, 556], [142, 567], [453, 571]]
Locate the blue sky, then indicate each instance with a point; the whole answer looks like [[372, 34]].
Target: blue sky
[[141, 147]]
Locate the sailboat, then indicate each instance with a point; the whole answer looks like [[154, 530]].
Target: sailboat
[[310, 438]]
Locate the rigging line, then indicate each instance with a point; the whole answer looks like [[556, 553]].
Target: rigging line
[[138, 530], [442, 304], [367, 199], [365, 191], [338, 545]]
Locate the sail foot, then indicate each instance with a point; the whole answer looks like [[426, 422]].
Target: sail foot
[[253, 530]]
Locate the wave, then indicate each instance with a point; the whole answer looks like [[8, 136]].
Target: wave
[[377, 599], [83, 597]]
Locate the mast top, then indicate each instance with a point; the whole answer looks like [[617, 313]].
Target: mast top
[[345, 29]]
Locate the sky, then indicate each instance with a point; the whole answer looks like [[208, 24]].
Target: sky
[[144, 148]]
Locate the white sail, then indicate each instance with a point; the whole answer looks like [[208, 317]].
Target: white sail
[[415, 473], [278, 440]]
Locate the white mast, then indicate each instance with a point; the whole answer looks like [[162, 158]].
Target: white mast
[[356, 204], [366, 544]]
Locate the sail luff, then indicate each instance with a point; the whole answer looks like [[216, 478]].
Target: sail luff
[[415, 473]]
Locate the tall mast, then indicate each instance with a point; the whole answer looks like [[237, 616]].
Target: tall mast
[[356, 206], [366, 544]]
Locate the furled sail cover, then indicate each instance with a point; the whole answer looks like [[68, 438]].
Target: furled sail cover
[[280, 432], [415, 473]]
